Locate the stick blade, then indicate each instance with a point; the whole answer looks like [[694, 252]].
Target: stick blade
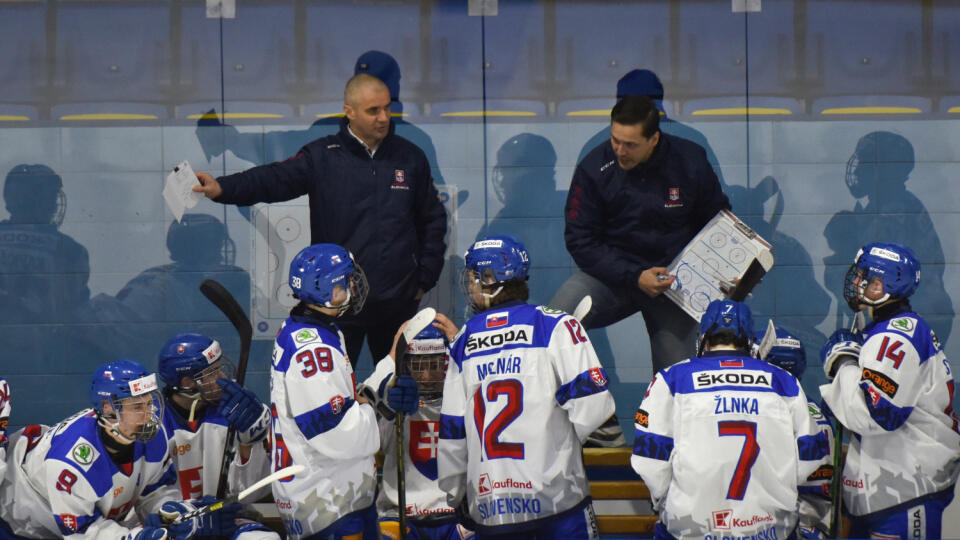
[[583, 308]]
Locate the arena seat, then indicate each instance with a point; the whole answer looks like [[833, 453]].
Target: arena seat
[[871, 105], [730, 108], [511, 109], [105, 111], [235, 110], [14, 112]]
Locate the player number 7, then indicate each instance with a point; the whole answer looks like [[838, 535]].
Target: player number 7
[[748, 454]]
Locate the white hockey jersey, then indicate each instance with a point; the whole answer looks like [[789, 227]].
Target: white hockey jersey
[[197, 450], [424, 498], [898, 400], [64, 484], [318, 423], [4, 416], [523, 390], [722, 442]]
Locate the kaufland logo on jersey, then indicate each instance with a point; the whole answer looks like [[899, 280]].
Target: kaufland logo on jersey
[[496, 320], [724, 520], [486, 486], [721, 519]]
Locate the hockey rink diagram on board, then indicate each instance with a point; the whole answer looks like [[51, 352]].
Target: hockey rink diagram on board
[[717, 256], [281, 231]]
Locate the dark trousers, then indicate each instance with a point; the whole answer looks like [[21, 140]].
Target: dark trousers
[[673, 333], [378, 322]]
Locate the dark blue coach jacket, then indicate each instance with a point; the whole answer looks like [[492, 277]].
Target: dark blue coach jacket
[[384, 209], [619, 223]]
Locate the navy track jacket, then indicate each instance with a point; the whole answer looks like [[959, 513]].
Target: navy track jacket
[[619, 223], [384, 209]]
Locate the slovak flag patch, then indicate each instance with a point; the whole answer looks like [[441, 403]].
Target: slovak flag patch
[[731, 363], [599, 377], [424, 441], [68, 522], [496, 320], [336, 404], [398, 175], [674, 194]]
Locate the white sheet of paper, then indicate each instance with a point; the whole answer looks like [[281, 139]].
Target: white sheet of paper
[[178, 190]]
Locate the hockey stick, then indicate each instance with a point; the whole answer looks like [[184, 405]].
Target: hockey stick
[[417, 324], [221, 297], [836, 484], [267, 480], [583, 308]]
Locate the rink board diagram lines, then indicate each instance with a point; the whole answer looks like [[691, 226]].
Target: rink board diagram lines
[[281, 231], [721, 253]]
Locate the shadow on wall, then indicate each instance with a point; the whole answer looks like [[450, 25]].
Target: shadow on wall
[[43, 296], [885, 211], [790, 293], [164, 300], [524, 180]]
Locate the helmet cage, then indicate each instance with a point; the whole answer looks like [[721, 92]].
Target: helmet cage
[[205, 381], [135, 417], [484, 283], [429, 370], [894, 265]]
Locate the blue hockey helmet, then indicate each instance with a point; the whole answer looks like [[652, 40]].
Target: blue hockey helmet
[[427, 361], [319, 271], [786, 351], [197, 357], [490, 263], [894, 265], [725, 317], [127, 400]]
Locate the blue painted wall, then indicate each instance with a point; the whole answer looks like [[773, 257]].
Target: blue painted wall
[[92, 268]]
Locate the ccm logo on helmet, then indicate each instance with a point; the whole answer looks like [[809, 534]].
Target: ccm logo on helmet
[[725, 378]]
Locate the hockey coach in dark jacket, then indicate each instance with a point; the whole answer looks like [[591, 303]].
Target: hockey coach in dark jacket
[[634, 203], [371, 192]]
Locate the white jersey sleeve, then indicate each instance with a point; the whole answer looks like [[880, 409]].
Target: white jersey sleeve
[[452, 461], [4, 417], [579, 371], [653, 444], [898, 399]]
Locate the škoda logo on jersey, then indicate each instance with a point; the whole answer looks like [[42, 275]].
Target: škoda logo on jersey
[[518, 334], [707, 379]]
